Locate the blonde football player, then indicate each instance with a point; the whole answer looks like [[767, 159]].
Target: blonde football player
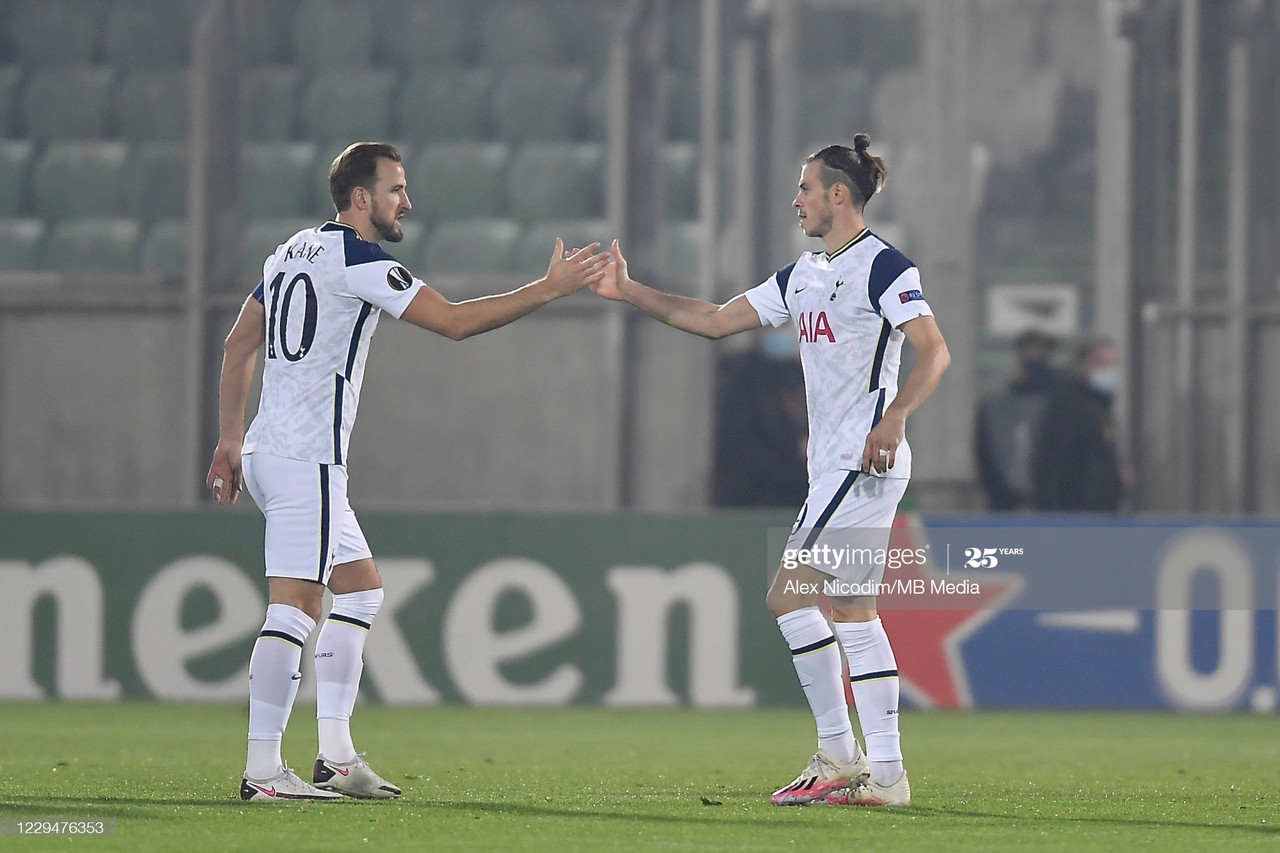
[[315, 310], [853, 305]]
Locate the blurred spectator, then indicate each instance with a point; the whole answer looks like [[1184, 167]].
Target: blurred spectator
[[761, 426], [1007, 422], [1075, 462]]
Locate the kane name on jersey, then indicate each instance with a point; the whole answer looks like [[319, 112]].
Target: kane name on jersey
[[322, 291]]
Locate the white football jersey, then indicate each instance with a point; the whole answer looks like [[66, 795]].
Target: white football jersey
[[847, 307], [323, 290]]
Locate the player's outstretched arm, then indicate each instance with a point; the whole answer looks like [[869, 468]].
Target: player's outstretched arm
[[681, 312], [458, 320], [240, 356], [932, 360]]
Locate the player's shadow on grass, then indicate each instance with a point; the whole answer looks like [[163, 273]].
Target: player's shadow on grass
[[925, 811], [737, 818], [703, 816], [100, 807]]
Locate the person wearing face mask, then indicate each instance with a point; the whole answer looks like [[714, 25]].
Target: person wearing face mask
[[1075, 463], [1006, 424]]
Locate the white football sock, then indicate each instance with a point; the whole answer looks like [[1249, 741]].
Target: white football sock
[[273, 685], [873, 674], [817, 661], [339, 663]]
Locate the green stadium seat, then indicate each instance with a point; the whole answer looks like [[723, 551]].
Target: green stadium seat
[[684, 34], [537, 243], [348, 105], [440, 104], [540, 103], [20, 244], [459, 180], [269, 102], [92, 245], [55, 32], [164, 249], [261, 239], [67, 102], [679, 251], [268, 32], [334, 32], [835, 107], [557, 182], [472, 246], [437, 33], [590, 25], [153, 104], [16, 156], [157, 181], [10, 77], [277, 179], [522, 33], [680, 180], [144, 33], [78, 179]]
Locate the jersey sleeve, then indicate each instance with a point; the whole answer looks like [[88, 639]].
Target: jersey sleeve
[[769, 299], [384, 283], [894, 287]]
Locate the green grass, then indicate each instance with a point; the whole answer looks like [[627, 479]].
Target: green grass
[[591, 779]]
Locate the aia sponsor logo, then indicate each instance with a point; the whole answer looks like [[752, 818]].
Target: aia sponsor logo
[[813, 326]]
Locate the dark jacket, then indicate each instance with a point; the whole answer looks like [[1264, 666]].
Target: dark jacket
[[1075, 466]]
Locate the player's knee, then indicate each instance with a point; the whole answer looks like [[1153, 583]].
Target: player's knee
[[306, 596]]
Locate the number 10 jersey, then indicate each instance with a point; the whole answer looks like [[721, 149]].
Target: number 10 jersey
[[322, 290]]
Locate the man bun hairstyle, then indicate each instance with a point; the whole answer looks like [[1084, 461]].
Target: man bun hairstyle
[[357, 166], [861, 171]]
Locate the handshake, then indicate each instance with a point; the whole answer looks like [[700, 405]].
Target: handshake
[[605, 272]]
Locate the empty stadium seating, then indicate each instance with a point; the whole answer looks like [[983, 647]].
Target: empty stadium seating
[[439, 34], [76, 179], [347, 105], [459, 180], [440, 104], [10, 77], [163, 250], [519, 34], [680, 180], [20, 243], [334, 33], [67, 102], [144, 33], [16, 156], [92, 245], [276, 179], [157, 181], [153, 104], [473, 246], [488, 97], [539, 103], [557, 182], [56, 32], [269, 102]]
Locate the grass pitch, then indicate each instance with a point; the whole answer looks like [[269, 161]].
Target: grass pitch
[[592, 779]]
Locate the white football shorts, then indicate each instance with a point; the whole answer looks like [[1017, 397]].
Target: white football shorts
[[843, 527], [310, 525]]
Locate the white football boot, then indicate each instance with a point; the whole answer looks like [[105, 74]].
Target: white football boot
[[285, 787], [354, 778], [822, 776]]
